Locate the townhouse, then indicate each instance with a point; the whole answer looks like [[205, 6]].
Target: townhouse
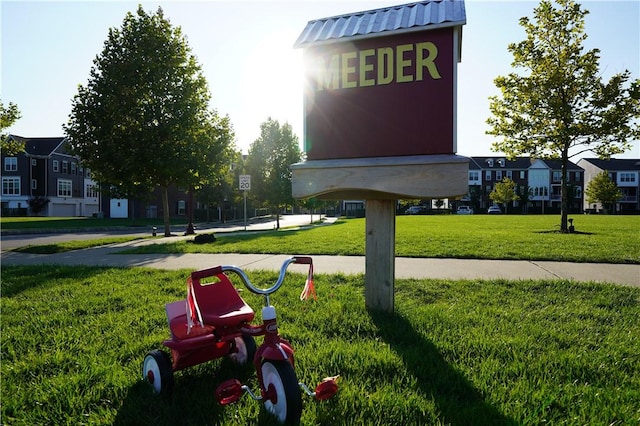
[[625, 173], [540, 181], [46, 170]]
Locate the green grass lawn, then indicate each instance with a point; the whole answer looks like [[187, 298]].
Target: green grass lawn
[[607, 239], [461, 353]]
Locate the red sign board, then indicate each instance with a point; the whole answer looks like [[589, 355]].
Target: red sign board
[[381, 96]]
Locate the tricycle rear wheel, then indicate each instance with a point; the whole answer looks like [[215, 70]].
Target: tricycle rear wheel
[[157, 371], [244, 351]]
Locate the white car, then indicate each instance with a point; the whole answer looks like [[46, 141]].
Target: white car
[[464, 210], [494, 210]]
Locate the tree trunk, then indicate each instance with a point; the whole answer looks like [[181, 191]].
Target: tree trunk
[[190, 228], [564, 190], [165, 211]]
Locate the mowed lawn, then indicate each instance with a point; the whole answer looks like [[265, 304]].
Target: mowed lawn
[[454, 352], [608, 239]]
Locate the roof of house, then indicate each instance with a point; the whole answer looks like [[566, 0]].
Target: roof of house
[[417, 16], [518, 163], [39, 146], [615, 164], [557, 165]]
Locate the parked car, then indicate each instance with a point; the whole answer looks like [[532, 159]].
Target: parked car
[[494, 210], [416, 210], [464, 210]]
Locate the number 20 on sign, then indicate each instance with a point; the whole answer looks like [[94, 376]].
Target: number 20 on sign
[[245, 182]]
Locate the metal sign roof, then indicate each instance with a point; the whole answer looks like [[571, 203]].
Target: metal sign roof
[[417, 16]]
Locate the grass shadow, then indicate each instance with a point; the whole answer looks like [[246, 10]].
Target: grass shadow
[[191, 400], [458, 401]]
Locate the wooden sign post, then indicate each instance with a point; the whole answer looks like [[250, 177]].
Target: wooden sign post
[[380, 119]]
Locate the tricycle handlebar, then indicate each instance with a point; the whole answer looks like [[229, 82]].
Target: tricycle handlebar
[[304, 260]]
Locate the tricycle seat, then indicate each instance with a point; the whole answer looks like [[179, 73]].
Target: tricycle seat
[[219, 304]]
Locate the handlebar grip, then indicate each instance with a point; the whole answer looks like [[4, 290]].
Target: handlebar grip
[[204, 273], [304, 260]]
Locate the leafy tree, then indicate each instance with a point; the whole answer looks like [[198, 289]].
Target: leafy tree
[[475, 193], [555, 105], [504, 192], [268, 164], [37, 203], [214, 192], [601, 189], [142, 120], [524, 195], [8, 116]]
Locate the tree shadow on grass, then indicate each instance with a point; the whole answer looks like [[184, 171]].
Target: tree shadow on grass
[[457, 400]]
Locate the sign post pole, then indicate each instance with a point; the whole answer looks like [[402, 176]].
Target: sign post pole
[[245, 185], [380, 254]]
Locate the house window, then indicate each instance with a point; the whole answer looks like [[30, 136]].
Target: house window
[[627, 177], [56, 166], [522, 174], [499, 175], [577, 176], [34, 184], [487, 175], [578, 192], [74, 169], [182, 207], [474, 176], [34, 162], [509, 174], [65, 167], [11, 185], [557, 176], [10, 164], [64, 188], [90, 191]]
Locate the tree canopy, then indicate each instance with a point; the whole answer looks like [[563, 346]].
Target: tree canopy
[[143, 119], [268, 164], [555, 103], [601, 189], [8, 116], [504, 192]]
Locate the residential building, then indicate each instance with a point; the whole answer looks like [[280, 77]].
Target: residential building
[[46, 170], [540, 179], [625, 173]]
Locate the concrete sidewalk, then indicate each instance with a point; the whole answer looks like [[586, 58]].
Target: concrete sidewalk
[[454, 269]]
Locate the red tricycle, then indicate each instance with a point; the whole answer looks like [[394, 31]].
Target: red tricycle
[[214, 322]]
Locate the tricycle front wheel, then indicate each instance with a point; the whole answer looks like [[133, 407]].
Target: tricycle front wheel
[[157, 371], [281, 381]]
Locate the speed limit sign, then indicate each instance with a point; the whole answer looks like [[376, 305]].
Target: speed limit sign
[[245, 182]]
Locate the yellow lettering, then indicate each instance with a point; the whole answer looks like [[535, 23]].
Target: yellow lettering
[[328, 78], [385, 63], [347, 70], [402, 63], [428, 61], [365, 68]]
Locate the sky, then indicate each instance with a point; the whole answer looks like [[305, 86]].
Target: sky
[[245, 49]]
